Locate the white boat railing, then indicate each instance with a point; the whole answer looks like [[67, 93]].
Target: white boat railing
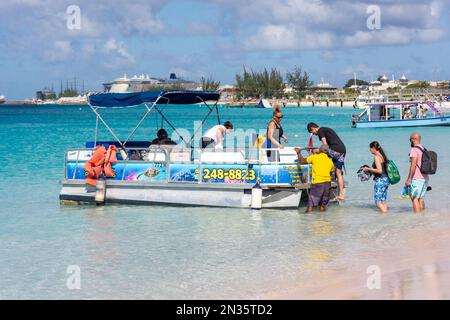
[[404, 111]]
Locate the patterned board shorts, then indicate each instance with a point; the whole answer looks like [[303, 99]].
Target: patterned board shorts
[[418, 188], [381, 188], [319, 194], [338, 159]]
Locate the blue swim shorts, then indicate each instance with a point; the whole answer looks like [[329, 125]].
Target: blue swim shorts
[[418, 188], [380, 189]]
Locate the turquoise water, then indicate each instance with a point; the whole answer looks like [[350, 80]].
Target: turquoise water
[[166, 252]]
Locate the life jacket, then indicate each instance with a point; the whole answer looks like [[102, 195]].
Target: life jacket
[[100, 164], [110, 159]]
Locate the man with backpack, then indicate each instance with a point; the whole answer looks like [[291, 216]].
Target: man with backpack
[[423, 163]]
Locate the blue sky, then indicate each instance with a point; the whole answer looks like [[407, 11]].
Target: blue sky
[[194, 38]]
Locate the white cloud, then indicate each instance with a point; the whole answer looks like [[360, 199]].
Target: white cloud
[[117, 53], [392, 36], [316, 24], [287, 37], [59, 51], [39, 28]]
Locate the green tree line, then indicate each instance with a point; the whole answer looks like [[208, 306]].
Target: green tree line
[[268, 84]]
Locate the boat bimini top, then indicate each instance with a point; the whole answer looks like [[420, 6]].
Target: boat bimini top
[[133, 99], [151, 100]]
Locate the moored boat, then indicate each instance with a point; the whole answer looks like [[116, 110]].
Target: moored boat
[[400, 114], [182, 174]]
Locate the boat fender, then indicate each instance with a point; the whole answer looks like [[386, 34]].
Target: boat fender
[[257, 196], [100, 193]]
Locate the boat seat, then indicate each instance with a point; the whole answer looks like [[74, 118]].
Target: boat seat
[[155, 156], [222, 157], [286, 155], [180, 156]]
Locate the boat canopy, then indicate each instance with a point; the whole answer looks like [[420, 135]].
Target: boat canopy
[[124, 100]]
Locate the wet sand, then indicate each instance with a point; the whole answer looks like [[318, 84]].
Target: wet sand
[[417, 267]]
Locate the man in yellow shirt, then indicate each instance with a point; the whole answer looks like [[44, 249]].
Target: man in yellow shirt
[[322, 166]]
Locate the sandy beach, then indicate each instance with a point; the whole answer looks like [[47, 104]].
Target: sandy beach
[[417, 267]]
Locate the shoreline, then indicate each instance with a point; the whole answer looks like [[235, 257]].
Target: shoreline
[[227, 104], [418, 267]]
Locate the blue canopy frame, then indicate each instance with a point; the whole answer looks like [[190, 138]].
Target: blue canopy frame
[[133, 99], [125, 100]]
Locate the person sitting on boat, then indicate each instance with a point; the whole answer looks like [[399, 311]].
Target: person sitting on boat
[[407, 114], [422, 112], [162, 139], [275, 133], [213, 138], [322, 167], [337, 152]]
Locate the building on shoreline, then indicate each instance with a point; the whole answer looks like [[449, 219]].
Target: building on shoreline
[[45, 94], [324, 91]]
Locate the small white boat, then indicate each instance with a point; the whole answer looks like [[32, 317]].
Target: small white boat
[[183, 175], [400, 114], [46, 102], [2, 99]]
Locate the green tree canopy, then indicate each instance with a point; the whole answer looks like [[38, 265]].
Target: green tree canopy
[[351, 82], [265, 84], [69, 93], [299, 81], [209, 84], [419, 85]]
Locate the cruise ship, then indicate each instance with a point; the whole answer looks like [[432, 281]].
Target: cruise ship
[[145, 82]]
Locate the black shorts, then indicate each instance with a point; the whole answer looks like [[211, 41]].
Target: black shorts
[[206, 142]]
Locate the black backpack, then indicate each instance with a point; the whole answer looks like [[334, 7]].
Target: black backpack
[[429, 161]]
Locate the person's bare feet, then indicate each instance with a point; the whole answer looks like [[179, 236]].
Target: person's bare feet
[[309, 210], [323, 208], [337, 199]]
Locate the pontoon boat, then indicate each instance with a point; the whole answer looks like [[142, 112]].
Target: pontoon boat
[[400, 114], [182, 174]]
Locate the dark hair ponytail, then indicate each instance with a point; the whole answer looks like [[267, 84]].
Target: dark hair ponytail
[[276, 109], [228, 125], [376, 145]]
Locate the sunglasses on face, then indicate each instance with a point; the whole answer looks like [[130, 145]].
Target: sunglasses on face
[[279, 117]]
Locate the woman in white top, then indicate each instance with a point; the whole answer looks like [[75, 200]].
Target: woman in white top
[[213, 138]]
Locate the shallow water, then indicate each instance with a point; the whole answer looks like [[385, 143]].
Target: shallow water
[[158, 252]]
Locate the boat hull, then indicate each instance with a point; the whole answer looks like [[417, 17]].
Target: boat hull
[[426, 122], [180, 194]]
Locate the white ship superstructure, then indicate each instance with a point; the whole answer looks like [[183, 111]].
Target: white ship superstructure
[[134, 84]]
